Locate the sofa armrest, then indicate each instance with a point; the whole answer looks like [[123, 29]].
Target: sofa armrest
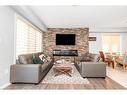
[[25, 73], [93, 69]]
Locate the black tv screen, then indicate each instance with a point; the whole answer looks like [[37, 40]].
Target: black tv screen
[[65, 39]]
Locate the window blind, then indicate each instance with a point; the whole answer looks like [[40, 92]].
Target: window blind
[[28, 37]]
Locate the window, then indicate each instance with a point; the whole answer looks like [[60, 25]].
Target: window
[[28, 37], [111, 42]]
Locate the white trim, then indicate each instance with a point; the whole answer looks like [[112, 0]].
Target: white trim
[[5, 85]]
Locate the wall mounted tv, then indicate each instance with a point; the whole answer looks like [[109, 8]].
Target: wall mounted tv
[[65, 39]]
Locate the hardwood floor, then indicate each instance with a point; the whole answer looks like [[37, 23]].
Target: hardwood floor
[[95, 83]]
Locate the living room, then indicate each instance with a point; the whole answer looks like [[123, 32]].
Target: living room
[[60, 47]]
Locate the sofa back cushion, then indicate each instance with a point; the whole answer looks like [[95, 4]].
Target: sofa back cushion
[[96, 58], [37, 60], [89, 57], [37, 54], [27, 58]]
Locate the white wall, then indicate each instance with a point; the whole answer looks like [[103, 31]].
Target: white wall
[[124, 42], [95, 46], [6, 43]]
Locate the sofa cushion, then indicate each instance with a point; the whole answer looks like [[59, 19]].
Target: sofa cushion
[[26, 59], [45, 58], [89, 57], [37, 60], [96, 58], [48, 58], [85, 57], [41, 56]]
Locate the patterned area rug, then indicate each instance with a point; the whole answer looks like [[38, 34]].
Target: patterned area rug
[[64, 79]]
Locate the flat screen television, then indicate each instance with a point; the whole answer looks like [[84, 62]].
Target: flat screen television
[[65, 39]]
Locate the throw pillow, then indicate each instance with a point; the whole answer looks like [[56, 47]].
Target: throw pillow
[[37, 60], [41, 56]]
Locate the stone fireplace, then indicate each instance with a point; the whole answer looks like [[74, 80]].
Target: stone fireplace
[[81, 44]]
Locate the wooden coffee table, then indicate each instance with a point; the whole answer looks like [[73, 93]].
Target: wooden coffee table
[[62, 69]]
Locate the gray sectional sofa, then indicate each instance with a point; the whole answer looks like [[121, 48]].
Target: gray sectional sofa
[[25, 71], [89, 66]]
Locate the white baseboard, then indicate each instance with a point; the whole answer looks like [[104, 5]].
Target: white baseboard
[[5, 85]]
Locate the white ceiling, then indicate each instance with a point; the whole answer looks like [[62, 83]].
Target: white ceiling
[[97, 18]]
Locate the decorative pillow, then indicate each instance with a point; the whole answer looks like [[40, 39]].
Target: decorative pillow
[[43, 59], [41, 56], [37, 60]]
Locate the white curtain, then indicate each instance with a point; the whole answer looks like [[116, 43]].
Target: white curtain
[[111, 42]]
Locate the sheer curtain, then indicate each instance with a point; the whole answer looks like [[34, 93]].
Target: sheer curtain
[[28, 37], [111, 42]]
